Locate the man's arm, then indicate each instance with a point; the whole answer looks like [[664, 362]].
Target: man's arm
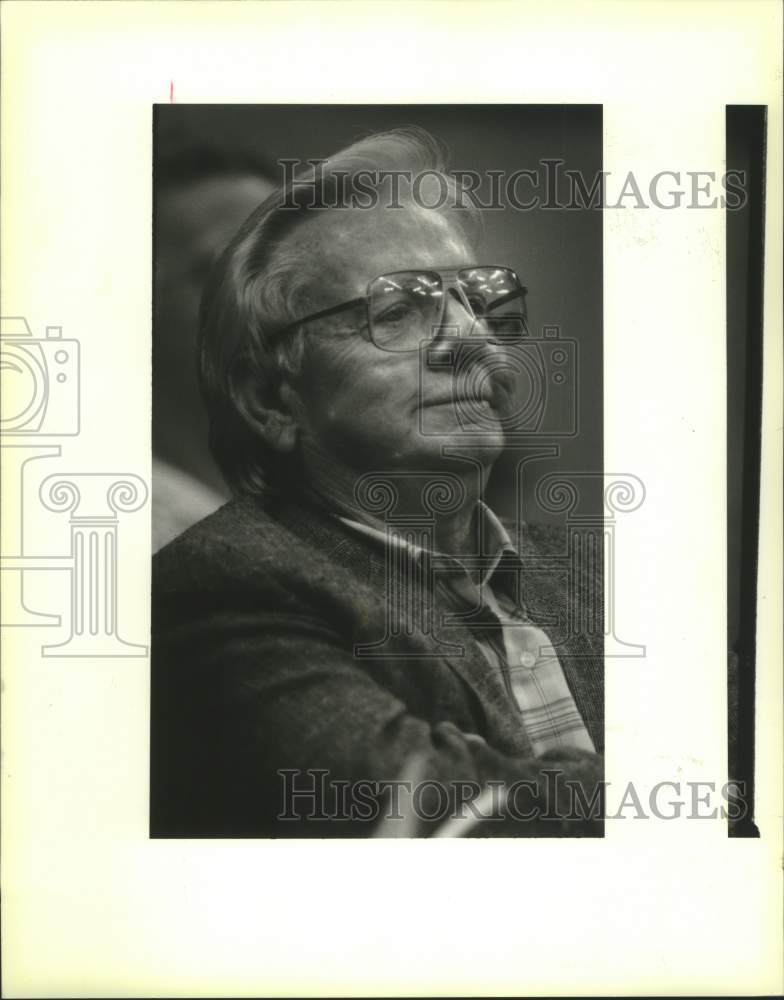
[[240, 697]]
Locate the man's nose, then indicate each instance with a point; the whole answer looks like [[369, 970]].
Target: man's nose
[[457, 319], [458, 323], [460, 344]]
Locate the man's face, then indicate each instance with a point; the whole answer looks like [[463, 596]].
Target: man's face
[[370, 408]]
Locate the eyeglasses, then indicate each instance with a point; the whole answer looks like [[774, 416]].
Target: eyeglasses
[[406, 308]]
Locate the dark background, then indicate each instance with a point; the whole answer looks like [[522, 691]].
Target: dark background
[[557, 252]]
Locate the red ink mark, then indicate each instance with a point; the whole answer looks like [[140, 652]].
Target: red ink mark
[[171, 91]]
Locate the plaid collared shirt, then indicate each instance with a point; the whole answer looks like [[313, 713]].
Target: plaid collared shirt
[[512, 644]]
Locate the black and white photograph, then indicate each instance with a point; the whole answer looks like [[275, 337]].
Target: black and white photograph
[[401, 369]]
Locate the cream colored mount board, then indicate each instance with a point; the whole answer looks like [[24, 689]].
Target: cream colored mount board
[[92, 906]]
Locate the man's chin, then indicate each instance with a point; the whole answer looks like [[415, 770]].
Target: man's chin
[[474, 426], [440, 449]]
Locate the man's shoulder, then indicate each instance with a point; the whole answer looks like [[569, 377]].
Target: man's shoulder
[[571, 558], [536, 537], [241, 541], [547, 538]]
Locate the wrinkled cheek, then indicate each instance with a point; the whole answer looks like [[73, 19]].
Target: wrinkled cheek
[[359, 409], [343, 420]]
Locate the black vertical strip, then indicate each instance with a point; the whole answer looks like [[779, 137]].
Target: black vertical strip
[[746, 127], [153, 819], [151, 807]]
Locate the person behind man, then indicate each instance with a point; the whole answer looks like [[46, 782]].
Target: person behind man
[[357, 607], [205, 187]]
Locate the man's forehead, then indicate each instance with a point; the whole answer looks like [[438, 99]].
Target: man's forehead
[[347, 248]]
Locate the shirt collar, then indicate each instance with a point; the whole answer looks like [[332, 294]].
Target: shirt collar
[[494, 541]]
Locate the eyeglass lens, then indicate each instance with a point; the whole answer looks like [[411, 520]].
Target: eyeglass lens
[[406, 307]]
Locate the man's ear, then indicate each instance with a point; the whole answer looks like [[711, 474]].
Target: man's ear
[[269, 410]]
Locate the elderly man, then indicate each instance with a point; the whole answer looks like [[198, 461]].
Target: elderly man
[[356, 613]]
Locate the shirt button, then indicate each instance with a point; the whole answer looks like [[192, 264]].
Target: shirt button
[[527, 659]]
